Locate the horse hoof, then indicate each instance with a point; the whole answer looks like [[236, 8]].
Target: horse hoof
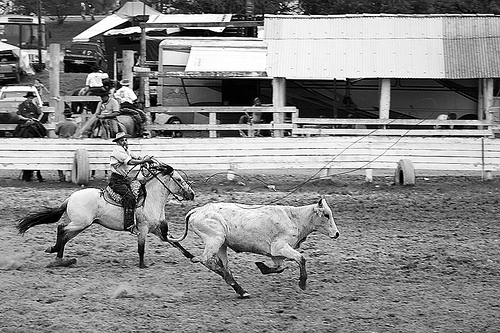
[[302, 285], [62, 263], [195, 260], [49, 249], [245, 295]]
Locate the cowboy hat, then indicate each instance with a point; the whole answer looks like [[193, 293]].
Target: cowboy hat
[[121, 135], [125, 82], [29, 94]]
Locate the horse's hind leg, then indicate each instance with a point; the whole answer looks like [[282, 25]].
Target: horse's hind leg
[[64, 234]]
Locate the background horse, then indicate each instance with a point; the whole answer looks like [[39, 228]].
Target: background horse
[[89, 206]]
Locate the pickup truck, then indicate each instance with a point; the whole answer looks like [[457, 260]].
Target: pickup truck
[[82, 57], [10, 69]]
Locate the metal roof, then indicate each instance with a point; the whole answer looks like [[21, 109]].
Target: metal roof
[[383, 46]]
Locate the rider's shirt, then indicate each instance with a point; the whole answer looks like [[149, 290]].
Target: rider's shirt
[[107, 108], [125, 95], [94, 80], [118, 161], [29, 110]]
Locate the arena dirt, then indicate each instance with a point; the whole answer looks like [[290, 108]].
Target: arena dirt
[[409, 259]]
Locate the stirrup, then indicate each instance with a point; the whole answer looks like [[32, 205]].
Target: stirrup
[[133, 229]]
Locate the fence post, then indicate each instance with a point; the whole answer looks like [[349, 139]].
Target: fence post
[[212, 120]]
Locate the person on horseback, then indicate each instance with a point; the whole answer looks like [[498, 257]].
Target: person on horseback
[[104, 123], [120, 161], [126, 97]]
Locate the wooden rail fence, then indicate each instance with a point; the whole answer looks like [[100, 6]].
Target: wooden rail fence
[[462, 154]]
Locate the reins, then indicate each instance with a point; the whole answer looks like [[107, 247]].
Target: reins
[[153, 173]]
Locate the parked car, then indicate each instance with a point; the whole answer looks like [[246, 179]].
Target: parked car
[[82, 57], [17, 93], [10, 69]]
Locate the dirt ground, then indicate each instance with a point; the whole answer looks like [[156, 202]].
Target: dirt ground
[[409, 259]]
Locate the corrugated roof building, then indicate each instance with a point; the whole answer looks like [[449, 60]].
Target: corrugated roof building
[[383, 46]]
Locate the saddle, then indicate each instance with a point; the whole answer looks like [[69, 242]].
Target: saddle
[[116, 199]]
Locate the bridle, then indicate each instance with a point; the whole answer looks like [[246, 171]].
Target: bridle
[[150, 171]]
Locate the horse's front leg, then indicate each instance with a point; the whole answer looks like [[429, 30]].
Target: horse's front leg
[[141, 244]]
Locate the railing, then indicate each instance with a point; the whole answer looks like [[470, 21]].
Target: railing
[[390, 127], [277, 127]]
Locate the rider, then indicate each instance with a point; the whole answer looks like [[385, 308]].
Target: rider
[[120, 161], [126, 97]]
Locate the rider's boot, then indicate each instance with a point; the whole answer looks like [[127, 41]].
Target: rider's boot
[[130, 221]]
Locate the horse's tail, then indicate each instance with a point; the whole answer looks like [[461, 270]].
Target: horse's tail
[[46, 216], [186, 229]]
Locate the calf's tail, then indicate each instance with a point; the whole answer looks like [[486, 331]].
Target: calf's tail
[[186, 229], [46, 216]]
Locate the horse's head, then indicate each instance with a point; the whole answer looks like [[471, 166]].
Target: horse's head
[[174, 182]]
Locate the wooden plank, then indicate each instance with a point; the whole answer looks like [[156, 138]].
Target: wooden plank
[[80, 99], [215, 127], [221, 109], [389, 132], [410, 122]]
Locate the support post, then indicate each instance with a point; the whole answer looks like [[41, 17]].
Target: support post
[[54, 82], [279, 101], [488, 99], [385, 98], [128, 65], [142, 62]]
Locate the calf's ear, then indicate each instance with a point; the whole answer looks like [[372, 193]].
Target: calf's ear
[[320, 202], [319, 211]]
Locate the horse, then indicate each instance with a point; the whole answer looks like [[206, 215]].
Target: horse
[[90, 206]]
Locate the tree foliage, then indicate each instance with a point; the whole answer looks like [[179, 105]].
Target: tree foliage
[[59, 9], [331, 7]]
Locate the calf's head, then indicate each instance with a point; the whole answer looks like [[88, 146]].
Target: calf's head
[[323, 220]]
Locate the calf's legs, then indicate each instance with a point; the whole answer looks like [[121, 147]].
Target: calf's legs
[[214, 257], [286, 251]]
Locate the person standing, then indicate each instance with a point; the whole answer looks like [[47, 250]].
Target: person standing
[[83, 10], [121, 160], [91, 8], [66, 129], [30, 126]]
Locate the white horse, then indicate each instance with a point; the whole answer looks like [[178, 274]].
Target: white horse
[[88, 206]]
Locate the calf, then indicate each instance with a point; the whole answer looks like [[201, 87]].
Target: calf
[[273, 231]]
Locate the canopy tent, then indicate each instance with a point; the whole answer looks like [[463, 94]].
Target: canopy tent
[[24, 61], [175, 18], [121, 16]]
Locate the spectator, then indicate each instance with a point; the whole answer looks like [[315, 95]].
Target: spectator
[[30, 126], [448, 116], [91, 8], [66, 129], [83, 10]]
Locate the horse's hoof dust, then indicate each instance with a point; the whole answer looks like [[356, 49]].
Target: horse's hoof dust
[[62, 263]]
